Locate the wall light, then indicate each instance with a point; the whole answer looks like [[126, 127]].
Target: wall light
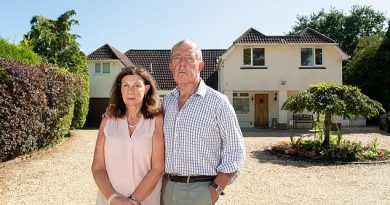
[[284, 82], [276, 97]]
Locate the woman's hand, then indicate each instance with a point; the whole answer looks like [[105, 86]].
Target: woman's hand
[[120, 200]]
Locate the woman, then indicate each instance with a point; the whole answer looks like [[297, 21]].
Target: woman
[[129, 155]]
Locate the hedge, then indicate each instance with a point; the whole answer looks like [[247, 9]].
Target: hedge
[[81, 101], [36, 106], [17, 52]]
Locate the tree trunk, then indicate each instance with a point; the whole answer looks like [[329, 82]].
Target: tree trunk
[[327, 127]]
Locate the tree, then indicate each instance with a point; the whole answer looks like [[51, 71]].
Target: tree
[[369, 67], [53, 40], [330, 99], [345, 29], [382, 60], [362, 70]]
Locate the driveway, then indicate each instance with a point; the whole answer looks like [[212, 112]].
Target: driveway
[[61, 175]]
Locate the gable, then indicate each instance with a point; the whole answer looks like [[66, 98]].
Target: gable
[[107, 52]]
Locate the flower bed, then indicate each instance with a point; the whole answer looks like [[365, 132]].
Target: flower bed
[[339, 150]]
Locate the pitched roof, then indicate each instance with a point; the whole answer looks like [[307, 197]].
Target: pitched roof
[[308, 35], [107, 52], [157, 62]]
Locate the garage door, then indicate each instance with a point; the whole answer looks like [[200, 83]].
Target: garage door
[[97, 106]]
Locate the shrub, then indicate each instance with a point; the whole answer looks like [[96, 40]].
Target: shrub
[[339, 150], [19, 53], [36, 107], [81, 101]]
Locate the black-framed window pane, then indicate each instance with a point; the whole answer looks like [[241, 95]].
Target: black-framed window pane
[[258, 56], [247, 56], [306, 57], [318, 54]]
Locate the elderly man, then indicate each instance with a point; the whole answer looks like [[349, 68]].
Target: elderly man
[[204, 144]]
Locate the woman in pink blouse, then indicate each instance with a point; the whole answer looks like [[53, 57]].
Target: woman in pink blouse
[[129, 155]]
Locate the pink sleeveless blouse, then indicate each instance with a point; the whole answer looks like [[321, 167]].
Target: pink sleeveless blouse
[[128, 159]]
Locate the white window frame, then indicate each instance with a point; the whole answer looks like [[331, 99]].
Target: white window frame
[[313, 57], [109, 68], [241, 95], [102, 66], [98, 65], [251, 57]]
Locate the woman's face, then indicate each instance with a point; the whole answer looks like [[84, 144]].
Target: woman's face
[[133, 90]]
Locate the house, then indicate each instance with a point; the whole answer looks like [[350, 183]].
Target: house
[[258, 73], [105, 63]]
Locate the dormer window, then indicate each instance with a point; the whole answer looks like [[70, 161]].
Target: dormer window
[[253, 57]]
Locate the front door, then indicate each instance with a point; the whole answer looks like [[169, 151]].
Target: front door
[[261, 110]]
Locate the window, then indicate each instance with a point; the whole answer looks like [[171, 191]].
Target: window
[[106, 68], [161, 97], [254, 57], [318, 56], [102, 68], [241, 103], [98, 68], [310, 59]]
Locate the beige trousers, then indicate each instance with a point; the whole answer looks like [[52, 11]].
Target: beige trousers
[[176, 193]]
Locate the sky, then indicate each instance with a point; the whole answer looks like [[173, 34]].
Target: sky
[[153, 24]]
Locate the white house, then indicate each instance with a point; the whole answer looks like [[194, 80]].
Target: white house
[[258, 72]]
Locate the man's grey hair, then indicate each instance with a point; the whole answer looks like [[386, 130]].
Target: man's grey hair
[[198, 52]]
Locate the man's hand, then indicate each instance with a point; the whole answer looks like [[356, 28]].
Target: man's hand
[[107, 114], [214, 194]]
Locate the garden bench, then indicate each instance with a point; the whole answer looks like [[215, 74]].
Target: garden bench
[[302, 118]]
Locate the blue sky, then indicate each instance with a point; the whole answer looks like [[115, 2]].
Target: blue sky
[[152, 24]]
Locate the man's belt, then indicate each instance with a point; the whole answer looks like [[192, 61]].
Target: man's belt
[[189, 179]]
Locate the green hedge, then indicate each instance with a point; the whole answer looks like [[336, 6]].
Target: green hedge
[[81, 101], [19, 53], [36, 106]]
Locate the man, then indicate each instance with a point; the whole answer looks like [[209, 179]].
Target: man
[[204, 144]]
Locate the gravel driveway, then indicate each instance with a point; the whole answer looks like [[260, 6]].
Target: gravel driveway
[[61, 175]]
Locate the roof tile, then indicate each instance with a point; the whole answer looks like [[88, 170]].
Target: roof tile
[[308, 35], [157, 62]]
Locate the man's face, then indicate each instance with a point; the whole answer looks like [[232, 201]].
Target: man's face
[[184, 66]]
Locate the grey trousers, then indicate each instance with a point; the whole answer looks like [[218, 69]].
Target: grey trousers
[[176, 193]]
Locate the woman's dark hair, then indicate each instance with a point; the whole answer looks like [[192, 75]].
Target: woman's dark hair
[[150, 105]]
